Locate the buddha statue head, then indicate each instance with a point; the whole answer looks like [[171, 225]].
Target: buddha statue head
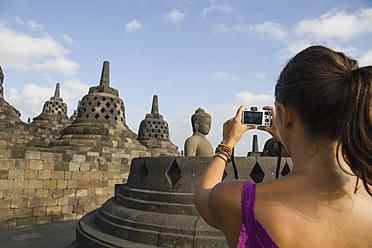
[[201, 121]]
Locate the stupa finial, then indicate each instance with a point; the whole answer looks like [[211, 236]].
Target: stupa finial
[[155, 106], [57, 91], [255, 144], [105, 76]]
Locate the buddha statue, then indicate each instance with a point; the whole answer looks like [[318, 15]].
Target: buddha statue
[[197, 144]]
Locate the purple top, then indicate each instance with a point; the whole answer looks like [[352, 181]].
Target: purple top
[[253, 234]]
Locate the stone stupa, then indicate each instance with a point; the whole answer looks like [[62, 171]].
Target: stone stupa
[[54, 114], [100, 122], [154, 133]]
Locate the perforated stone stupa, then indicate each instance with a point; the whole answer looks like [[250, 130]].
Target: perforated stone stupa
[[154, 133], [100, 121], [54, 114]]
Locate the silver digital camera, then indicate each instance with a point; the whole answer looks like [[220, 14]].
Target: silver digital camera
[[256, 117]]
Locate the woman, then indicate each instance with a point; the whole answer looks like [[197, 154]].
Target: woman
[[323, 117]]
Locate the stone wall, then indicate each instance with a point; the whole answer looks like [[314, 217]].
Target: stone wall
[[42, 185]]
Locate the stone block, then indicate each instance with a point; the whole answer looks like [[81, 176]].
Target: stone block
[[29, 193], [5, 203], [3, 174], [28, 221], [5, 153], [45, 174], [53, 210], [61, 184], [55, 193], [72, 184], [36, 164], [41, 193], [90, 207], [47, 156], [49, 184], [23, 164], [7, 164], [16, 174], [108, 191], [22, 212], [63, 201], [18, 203], [78, 158], [69, 193], [20, 184], [43, 219], [49, 202], [31, 174], [35, 184], [39, 211], [77, 175], [13, 193], [89, 175], [78, 209], [58, 175], [35, 202], [93, 167], [84, 184], [84, 167], [48, 165], [67, 209], [6, 213], [68, 174], [33, 155], [72, 201], [82, 192], [72, 166]]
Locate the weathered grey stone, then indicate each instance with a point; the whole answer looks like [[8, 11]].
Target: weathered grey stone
[[197, 144], [153, 133]]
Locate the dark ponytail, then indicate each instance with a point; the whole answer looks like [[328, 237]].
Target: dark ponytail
[[333, 99], [356, 135]]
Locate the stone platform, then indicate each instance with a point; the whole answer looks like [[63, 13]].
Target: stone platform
[[155, 207]]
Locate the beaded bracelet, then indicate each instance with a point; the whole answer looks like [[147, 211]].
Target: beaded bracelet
[[219, 150], [226, 149]]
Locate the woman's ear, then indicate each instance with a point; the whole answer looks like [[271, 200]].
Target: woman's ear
[[286, 115]]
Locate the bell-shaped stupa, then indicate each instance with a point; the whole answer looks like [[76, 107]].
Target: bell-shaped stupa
[[154, 133], [100, 122], [54, 114]]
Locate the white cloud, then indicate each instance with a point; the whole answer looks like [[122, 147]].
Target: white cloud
[[366, 59], [31, 24], [223, 75], [30, 100], [22, 52], [249, 99], [34, 25], [260, 75], [221, 5], [175, 16], [221, 28], [58, 65], [133, 26], [336, 25], [67, 38], [263, 30]]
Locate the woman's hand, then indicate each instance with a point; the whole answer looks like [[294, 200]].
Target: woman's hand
[[272, 129], [233, 129]]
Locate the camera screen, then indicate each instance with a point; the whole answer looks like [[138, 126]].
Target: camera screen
[[252, 117]]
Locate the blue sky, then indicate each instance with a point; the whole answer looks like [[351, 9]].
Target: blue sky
[[215, 54]]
